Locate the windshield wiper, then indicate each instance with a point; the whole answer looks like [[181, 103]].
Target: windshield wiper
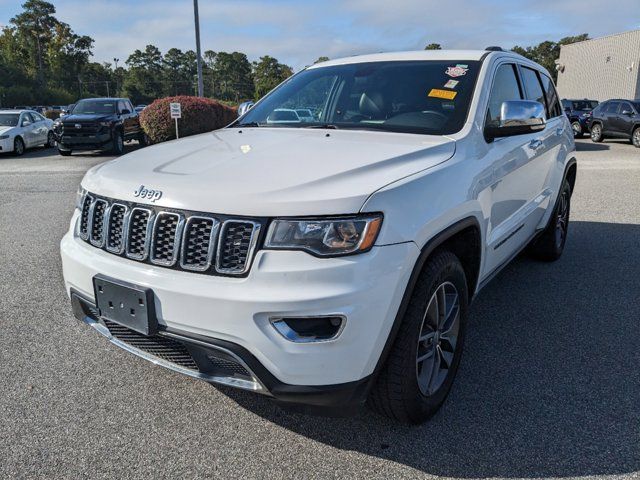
[[248, 124], [324, 125]]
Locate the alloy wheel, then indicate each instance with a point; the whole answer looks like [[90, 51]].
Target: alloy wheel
[[438, 338], [19, 147], [595, 133], [636, 138], [577, 129], [51, 141]]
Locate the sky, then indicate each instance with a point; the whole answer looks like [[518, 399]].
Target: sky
[[299, 31]]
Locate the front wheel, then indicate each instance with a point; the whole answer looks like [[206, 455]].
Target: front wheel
[[421, 366], [18, 146], [596, 133]]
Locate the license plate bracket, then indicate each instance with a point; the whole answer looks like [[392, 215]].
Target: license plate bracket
[[126, 304]]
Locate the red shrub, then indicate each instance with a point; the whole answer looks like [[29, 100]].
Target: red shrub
[[199, 115]]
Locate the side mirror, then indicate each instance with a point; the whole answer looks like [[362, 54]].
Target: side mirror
[[26, 123], [125, 111], [517, 117], [244, 107], [627, 112]]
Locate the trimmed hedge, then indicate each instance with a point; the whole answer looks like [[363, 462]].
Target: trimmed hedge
[[199, 115]]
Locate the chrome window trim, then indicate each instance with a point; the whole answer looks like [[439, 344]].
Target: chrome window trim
[[85, 236], [125, 228], [252, 246], [147, 239], [97, 243], [176, 241], [215, 229]]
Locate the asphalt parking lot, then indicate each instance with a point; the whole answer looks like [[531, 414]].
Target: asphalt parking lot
[[548, 386]]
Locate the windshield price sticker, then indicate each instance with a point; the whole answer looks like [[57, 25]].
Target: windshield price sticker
[[446, 94]]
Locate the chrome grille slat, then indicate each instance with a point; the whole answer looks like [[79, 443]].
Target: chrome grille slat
[[198, 243], [165, 238], [236, 246], [173, 239], [97, 213], [138, 233]]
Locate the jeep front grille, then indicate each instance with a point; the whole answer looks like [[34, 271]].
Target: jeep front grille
[[176, 239]]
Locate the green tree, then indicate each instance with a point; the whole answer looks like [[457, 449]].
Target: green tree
[[268, 73], [34, 26], [433, 46], [321, 59], [143, 81], [546, 53], [232, 78]]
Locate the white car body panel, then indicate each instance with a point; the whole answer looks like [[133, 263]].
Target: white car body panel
[[33, 135], [422, 185]]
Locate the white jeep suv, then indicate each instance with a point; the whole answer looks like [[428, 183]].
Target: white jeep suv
[[331, 262]]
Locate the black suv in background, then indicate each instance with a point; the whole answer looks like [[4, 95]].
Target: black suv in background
[[579, 114], [616, 119], [99, 124]]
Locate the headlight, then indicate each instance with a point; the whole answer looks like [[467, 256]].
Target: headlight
[[79, 197], [325, 237], [4, 137]]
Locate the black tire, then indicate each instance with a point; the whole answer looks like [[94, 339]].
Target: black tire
[[550, 244], [577, 129], [143, 139], [596, 133], [51, 140], [18, 147], [635, 137], [64, 153], [118, 143], [398, 393]]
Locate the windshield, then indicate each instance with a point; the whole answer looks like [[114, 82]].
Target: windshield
[[430, 97], [585, 105], [9, 119], [95, 107]]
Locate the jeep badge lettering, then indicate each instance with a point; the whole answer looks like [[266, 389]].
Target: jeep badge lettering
[[143, 192]]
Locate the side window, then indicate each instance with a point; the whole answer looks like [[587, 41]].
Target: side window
[[128, 106], [626, 107], [24, 119], [505, 87], [552, 97], [532, 86], [121, 106], [612, 108]]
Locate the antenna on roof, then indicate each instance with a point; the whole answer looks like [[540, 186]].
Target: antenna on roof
[[494, 49]]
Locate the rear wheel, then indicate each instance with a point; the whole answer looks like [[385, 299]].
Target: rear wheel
[[18, 146], [577, 129], [596, 133], [550, 245], [635, 137], [424, 359], [51, 140]]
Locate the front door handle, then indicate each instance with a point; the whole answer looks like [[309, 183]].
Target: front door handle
[[559, 131], [535, 144]]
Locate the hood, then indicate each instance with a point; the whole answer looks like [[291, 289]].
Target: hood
[[269, 171], [4, 129], [85, 117]]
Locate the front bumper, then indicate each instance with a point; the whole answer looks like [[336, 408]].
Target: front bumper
[[6, 145], [367, 289], [99, 141]]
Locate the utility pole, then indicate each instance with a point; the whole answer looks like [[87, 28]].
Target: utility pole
[[107, 84], [116, 60], [199, 60]]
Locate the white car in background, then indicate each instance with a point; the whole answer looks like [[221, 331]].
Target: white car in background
[[22, 129]]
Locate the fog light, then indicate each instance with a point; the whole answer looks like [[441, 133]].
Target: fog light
[[309, 329]]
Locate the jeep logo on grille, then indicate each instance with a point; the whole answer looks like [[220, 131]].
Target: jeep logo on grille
[[143, 192]]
